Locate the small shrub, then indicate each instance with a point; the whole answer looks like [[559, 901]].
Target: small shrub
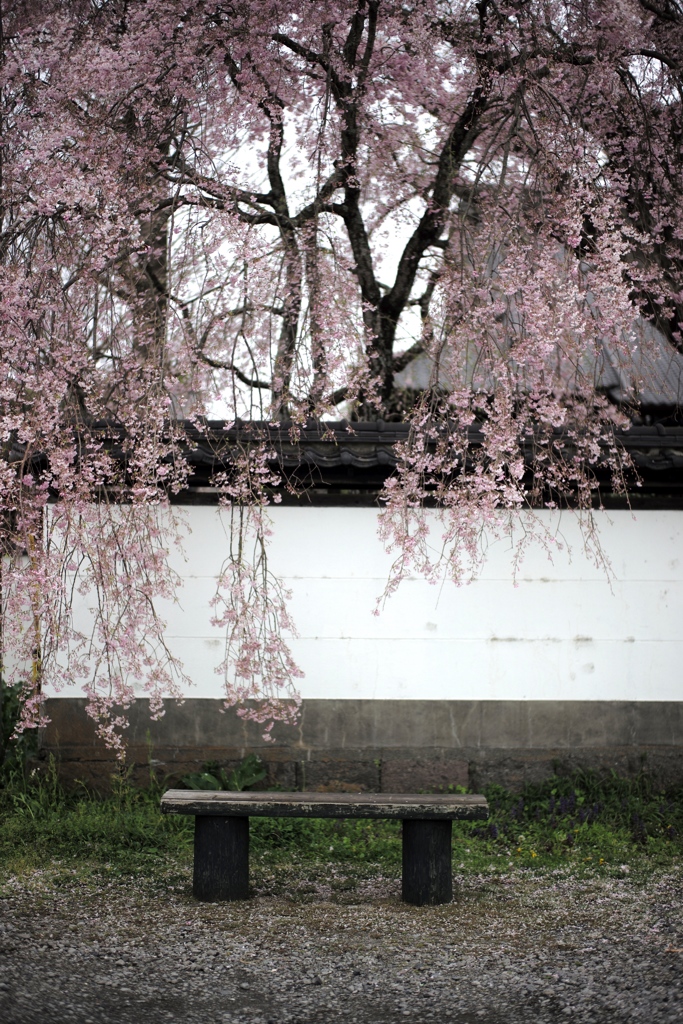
[[247, 773], [15, 749]]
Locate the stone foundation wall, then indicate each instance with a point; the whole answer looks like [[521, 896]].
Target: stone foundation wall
[[383, 745]]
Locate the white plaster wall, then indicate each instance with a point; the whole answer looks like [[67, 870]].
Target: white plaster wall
[[564, 632]]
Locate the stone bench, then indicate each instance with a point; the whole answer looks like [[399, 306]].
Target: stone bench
[[221, 835]]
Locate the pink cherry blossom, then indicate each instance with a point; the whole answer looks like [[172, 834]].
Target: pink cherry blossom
[[270, 212]]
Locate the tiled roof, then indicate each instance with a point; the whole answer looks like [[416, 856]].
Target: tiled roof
[[327, 459], [362, 445], [332, 459]]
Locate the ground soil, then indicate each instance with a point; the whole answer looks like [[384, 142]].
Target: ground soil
[[325, 945]]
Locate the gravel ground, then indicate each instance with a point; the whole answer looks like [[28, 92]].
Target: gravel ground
[[516, 947]]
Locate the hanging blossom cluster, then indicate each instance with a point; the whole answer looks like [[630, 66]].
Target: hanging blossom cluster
[[513, 419], [250, 603], [276, 211], [79, 584]]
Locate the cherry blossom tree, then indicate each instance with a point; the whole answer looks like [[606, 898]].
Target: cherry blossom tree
[[272, 211]]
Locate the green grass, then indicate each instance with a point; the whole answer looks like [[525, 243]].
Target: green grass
[[581, 822]]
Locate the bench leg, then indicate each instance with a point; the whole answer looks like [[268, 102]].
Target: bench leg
[[221, 858], [427, 871]]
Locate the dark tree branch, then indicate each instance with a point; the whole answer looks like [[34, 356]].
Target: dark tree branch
[[431, 224], [657, 55], [668, 11], [273, 106], [319, 204], [218, 364], [401, 361]]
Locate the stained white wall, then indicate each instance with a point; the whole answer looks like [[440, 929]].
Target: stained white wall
[[564, 632]]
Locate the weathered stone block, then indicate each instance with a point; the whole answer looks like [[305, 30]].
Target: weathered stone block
[[412, 775], [333, 775]]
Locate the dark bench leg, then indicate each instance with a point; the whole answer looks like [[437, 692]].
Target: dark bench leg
[[221, 858], [427, 872]]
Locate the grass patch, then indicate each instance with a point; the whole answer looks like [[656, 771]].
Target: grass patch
[[125, 832], [582, 822]]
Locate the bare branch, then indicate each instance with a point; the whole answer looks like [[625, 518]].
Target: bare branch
[[217, 364], [404, 358]]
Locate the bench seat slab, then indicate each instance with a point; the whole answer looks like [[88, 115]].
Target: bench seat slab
[[326, 805]]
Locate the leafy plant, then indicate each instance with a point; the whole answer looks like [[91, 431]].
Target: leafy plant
[[15, 750], [246, 774]]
